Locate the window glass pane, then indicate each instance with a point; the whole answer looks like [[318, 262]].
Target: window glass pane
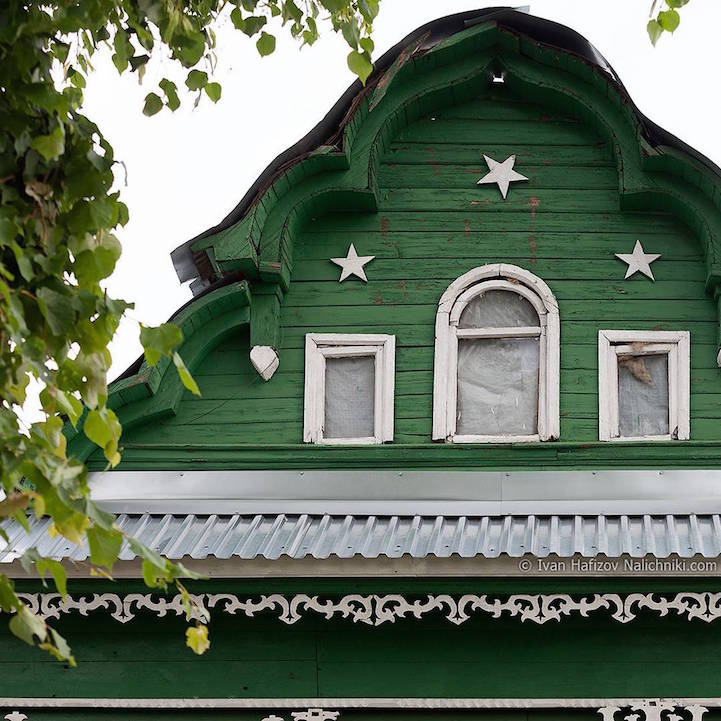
[[643, 395], [498, 309], [497, 387], [349, 397]]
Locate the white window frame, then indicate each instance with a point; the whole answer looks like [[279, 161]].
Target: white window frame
[[318, 347], [501, 276], [677, 344]]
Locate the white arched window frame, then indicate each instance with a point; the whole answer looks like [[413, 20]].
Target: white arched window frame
[[497, 276]]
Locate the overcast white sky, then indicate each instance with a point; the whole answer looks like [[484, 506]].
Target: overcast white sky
[[187, 170]]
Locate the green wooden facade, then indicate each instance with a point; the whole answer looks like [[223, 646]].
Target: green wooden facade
[[410, 166], [399, 182], [262, 657]]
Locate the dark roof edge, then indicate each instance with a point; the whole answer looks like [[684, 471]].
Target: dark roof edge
[[541, 30]]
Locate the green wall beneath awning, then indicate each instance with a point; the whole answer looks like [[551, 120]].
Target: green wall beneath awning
[[262, 657]]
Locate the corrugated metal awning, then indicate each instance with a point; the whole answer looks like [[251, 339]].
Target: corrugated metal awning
[[272, 536]]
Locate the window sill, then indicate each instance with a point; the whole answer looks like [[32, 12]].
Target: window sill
[[494, 439]]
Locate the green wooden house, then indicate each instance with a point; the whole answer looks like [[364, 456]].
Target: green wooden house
[[458, 450]]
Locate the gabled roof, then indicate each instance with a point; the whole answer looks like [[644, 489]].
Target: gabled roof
[[329, 132]]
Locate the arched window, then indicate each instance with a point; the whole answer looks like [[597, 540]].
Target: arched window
[[496, 371]]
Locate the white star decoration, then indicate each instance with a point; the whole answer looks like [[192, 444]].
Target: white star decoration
[[353, 264], [638, 261], [502, 174]]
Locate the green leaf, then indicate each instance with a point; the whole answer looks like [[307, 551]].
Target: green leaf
[[103, 428], [104, 546], [123, 50], [368, 9], [23, 260], [137, 62], [213, 91], [94, 264], [51, 146], [61, 50], [265, 44], [654, 30], [103, 519], [196, 80], [59, 648], [94, 368], [367, 45], [56, 310], [253, 24], [156, 573], [8, 599], [55, 400], [22, 519], [334, 6], [77, 78], [171, 93], [90, 216], [153, 104], [43, 565], [26, 625], [196, 638], [8, 228], [360, 64], [236, 17], [669, 20], [185, 377], [160, 341], [351, 33]]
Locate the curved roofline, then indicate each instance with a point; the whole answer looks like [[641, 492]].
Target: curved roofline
[[329, 129]]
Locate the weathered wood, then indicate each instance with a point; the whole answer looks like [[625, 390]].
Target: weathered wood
[[265, 315], [575, 356], [479, 131], [597, 155], [475, 241], [487, 199], [390, 268], [426, 220], [419, 292], [608, 311], [434, 224], [426, 175]]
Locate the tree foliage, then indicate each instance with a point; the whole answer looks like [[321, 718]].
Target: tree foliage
[[665, 18], [58, 213]]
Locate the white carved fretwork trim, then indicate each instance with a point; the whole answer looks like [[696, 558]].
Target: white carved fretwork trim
[[315, 714], [311, 714], [376, 610], [653, 711]]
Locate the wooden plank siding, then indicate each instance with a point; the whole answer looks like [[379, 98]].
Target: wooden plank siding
[[434, 224], [262, 657]]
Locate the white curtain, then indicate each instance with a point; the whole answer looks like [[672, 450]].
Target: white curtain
[[349, 397], [498, 309], [643, 395], [498, 386]]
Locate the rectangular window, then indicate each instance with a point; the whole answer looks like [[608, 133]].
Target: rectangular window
[[349, 387], [643, 385], [497, 387]]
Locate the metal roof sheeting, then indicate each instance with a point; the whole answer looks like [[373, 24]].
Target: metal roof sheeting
[[321, 536]]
